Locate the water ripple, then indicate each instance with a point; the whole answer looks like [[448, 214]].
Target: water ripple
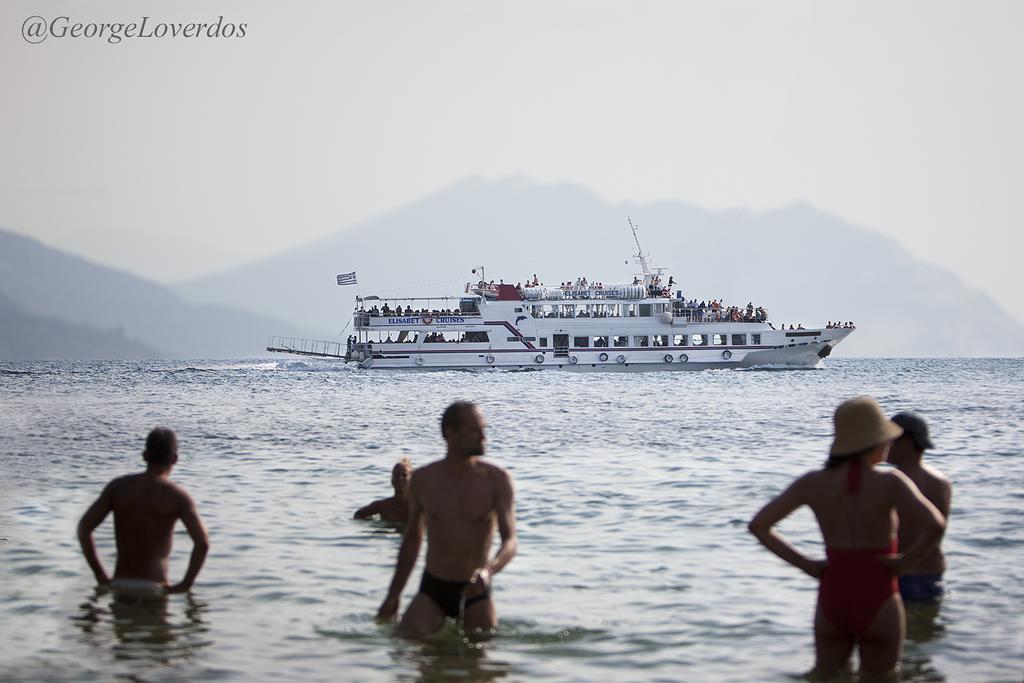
[[633, 494]]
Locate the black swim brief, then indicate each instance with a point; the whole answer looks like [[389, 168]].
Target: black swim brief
[[448, 594]]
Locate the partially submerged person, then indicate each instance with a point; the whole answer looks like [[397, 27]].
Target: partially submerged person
[[459, 501], [923, 581], [856, 507], [395, 508], [146, 507]]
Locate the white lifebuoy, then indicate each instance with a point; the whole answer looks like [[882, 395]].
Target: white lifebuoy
[[668, 357], [490, 358], [727, 354], [620, 359], [683, 358], [603, 357], [419, 360], [573, 360], [539, 358]]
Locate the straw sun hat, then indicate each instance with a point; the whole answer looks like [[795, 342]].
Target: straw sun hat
[[860, 425]]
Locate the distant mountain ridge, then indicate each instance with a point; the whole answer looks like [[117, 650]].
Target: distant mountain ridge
[[25, 336], [53, 293], [804, 265]]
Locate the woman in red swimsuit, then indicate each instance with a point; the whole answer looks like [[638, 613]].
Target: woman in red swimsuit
[[858, 509]]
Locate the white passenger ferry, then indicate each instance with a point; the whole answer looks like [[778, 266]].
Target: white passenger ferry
[[580, 327]]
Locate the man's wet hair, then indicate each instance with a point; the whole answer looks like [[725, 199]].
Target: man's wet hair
[[455, 415], [160, 446]]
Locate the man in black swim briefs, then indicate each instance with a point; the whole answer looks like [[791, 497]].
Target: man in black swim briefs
[[459, 501]]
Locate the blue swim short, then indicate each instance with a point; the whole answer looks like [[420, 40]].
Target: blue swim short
[[922, 588]]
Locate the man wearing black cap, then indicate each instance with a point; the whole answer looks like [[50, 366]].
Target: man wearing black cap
[[923, 581]]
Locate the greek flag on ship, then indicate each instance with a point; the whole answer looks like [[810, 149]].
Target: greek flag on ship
[[347, 278]]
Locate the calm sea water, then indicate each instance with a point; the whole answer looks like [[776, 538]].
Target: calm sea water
[[633, 493]]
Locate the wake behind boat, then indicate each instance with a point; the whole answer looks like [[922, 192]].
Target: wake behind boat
[[579, 326]]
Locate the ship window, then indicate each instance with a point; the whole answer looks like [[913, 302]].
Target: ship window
[[720, 339], [581, 342], [645, 310], [476, 337], [512, 339], [601, 342], [622, 340], [641, 340], [739, 340], [680, 340], [755, 339], [543, 341], [700, 340], [661, 340], [529, 339]]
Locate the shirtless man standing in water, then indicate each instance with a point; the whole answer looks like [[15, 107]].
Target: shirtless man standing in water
[[922, 582], [146, 507], [459, 501]]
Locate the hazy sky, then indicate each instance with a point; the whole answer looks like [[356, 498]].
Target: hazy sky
[[179, 157]]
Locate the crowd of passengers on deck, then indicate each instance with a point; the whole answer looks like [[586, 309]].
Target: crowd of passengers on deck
[[432, 338], [716, 311], [386, 310], [583, 288]]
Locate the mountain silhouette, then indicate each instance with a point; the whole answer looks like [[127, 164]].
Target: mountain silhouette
[[804, 265], [41, 284], [24, 336]]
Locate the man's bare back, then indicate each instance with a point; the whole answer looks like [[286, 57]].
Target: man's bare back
[[459, 502], [146, 507]]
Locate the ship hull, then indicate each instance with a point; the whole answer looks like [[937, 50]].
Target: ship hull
[[799, 355]]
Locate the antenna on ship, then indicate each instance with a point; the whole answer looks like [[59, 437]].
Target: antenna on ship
[[639, 250]]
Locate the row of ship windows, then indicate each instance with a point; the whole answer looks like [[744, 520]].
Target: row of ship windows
[[642, 340]]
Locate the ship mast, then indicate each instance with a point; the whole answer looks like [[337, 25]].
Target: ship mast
[[641, 258]]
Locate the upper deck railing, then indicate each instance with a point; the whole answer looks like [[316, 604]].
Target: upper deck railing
[[718, 314]]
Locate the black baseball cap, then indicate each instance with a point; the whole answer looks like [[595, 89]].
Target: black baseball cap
[[915, 426]]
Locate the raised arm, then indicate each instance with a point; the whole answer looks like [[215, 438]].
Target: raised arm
[[762, 526], [911, 505], [200, 544], [407, 554], [92, 518]]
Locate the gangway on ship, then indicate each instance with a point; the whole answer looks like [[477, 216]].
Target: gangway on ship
[[307, 347]]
